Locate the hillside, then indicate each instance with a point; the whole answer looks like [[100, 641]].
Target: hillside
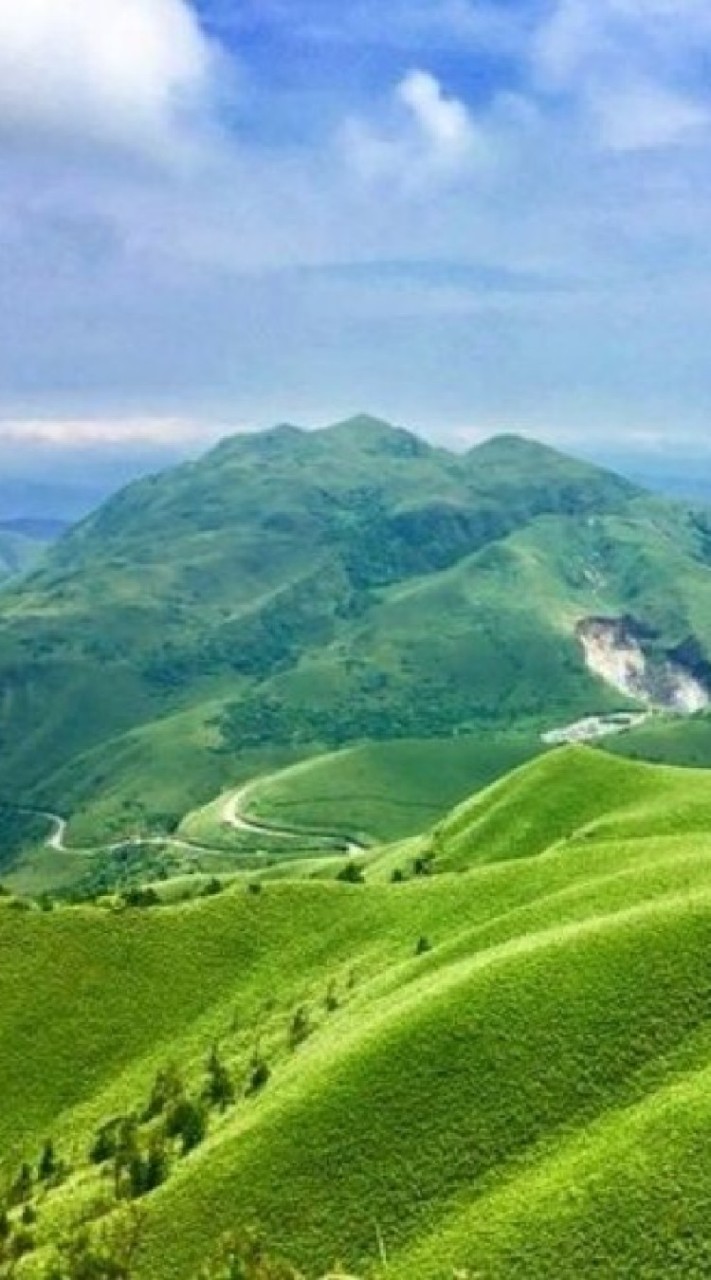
[[500, 1067], [22, 544], [295, 592]]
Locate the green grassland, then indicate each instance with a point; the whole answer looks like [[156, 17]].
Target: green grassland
[[387, 790], [525, 1096], [298, 592], [669, 740]]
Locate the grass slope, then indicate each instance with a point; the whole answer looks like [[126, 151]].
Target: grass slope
[[379, 790], [527, 1098]]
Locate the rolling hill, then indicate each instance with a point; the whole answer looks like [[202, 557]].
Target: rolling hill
[[497, 1069], [298, 592]]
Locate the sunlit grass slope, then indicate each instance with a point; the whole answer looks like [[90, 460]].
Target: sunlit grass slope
[[668, 740], [526, 1098], [380, 790], [575, 794]]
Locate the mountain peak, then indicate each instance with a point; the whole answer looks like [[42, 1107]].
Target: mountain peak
[[513, 458], [375, 435]]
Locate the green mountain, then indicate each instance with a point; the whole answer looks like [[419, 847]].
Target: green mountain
[[497, 1066], [22, 544], [298, 591]]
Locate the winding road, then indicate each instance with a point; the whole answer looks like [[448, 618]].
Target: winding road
[[232, 815]]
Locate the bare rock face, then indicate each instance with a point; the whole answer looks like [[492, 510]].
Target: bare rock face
[[615, 651]]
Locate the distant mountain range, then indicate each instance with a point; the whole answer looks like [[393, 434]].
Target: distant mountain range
[[298, 590]]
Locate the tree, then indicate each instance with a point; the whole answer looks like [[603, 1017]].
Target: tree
[[259, 1075], [48, 1164], [300, 1027], [423, 946], [219, 1089], [188, 1122], [104, 1146], [156, 1166], [21, 1188], [168, 1088], [351, 873], [126, 1155]]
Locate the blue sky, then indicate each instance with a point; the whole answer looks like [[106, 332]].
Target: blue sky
[[465, 215]]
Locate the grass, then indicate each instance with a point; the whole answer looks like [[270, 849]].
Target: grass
[[379, 791], [668, 740], [393, 789], [527, 1098]]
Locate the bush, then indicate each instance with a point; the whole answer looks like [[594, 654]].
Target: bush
[[48, 1165], [188, 1122], [219, 1090], [105, 1143], [351, 874], [167, 1089], [300, 1027], [423, 946], [259, 1076]]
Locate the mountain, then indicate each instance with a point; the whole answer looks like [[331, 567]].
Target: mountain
[[499, 1067], [296, 591], [23, 542]]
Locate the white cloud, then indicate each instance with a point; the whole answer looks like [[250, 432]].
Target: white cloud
[[122, 72], [83, 432], [444, 121], [626, 63], [638, 116], [429, 136]]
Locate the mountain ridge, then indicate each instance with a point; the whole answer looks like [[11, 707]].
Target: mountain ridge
[[301, 590]]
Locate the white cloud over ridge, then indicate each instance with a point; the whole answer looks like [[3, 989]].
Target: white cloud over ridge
[[425, 137], [87, 432], [119, 72]]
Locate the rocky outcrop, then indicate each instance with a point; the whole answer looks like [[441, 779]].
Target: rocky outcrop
[[618, 651]]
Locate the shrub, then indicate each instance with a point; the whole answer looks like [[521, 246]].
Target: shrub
[[219, 1090], [188, 1122], [104, 1145], [48, 1165], [167, 1089], [300, 1027], [21, 1188], [213, 886], [259, 1075], [423, 946], [351, 873]]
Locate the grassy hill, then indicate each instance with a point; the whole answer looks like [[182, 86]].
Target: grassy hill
[[297, 592], [384, 790], [500, 1067]]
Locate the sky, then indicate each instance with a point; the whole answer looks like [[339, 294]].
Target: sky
[[467, 216]]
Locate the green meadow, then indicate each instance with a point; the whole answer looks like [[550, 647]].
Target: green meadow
[[493, 1063]]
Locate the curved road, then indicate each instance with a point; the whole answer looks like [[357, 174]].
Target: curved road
[[232, 814]]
